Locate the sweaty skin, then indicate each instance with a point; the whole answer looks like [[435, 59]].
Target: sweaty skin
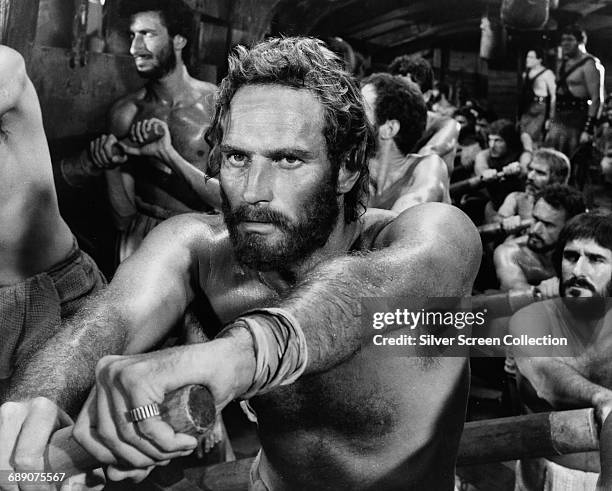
[[183, 103], [357, 418], [33, 235]]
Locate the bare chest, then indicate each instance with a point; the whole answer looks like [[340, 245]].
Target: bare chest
[[188, 125]]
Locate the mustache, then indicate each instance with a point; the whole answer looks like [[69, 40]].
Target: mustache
[[531, 235], [579, 282], [249, 213]]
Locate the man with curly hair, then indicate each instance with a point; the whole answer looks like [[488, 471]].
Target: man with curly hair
[[285, 274]]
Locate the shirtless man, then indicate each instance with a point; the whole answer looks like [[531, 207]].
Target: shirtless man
[[168, 179], [581, 376], [441, 133], [538, 96], [580, 94], [547, 167], [334, 412], [43, 274], [400, 179], [521, 262]]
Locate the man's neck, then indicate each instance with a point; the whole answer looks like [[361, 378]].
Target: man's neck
[[173, 86], [386, 164]]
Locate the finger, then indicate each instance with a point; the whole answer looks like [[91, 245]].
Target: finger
[[12, 416], [43, 418], [135, 475], [140, 131], [159, 444]]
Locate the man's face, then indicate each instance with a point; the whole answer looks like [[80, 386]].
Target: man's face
[[152, 46], [278, 188], [531, 59], [569, 45], [547, 224], [482, 126], [462, 120], [538, 176], [586, 269], [497, 146]]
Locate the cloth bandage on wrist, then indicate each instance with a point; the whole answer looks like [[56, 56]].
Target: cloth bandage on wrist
[[280, 349]]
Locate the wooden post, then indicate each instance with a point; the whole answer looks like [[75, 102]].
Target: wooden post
[[18, 20]]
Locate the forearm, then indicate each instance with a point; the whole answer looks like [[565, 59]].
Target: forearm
[[565, 387], [121, 203], [78, 170], [206, 188], [63, 369]]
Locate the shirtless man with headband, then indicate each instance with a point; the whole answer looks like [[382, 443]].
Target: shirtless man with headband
[[43, 275], [285, 274]]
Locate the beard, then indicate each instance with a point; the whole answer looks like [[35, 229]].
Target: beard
[[587, 285], [587, 308], [536, 244], [166, 63], [299, 239]]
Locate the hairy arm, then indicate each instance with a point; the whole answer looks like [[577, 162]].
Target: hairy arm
[[429, 184], [13, 78], [147, 296], [557, 380]]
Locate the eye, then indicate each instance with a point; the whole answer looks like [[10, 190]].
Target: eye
[[289, 161], [570, 256], [236, 159]]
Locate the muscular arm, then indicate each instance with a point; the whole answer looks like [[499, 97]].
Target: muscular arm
[[430, 184], [508, 271], [508, 208], [594, 80], [12, 78], [120, 184], [443, 134], [551, 87], [148, 294], [480, 163], [557, 380]]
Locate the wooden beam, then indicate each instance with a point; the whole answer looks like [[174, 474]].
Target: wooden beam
[[395, 14], [21, 20]]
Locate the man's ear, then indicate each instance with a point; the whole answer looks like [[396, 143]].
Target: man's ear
[[179, 42], [389, 129], [346, 179]]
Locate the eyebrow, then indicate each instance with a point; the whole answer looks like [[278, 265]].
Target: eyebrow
[[275, 154]]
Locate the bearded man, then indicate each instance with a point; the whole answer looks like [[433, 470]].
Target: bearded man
[[286, 274]]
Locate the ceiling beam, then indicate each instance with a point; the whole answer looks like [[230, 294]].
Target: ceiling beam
[[399, 13]]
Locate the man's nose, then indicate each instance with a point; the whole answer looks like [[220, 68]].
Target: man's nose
[[536, 227], [137, 45], [581, 267], [258, 186]]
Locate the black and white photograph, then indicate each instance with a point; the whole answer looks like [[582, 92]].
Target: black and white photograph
[[319, 245]]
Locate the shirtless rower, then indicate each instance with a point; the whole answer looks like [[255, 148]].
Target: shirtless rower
[[43, 275], [580, 94], [580, 375], [538, 97], [441, 133], [170, 179], [334, 412], [400, 179], [524, 261], [548, 166]]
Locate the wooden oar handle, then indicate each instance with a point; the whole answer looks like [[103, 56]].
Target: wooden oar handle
[[190, 409]]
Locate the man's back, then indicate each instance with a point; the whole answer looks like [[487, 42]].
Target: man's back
[[33, 236]]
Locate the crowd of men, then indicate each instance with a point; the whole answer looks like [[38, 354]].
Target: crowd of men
[[254, 217]]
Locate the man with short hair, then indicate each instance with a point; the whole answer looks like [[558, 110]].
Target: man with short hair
[[580, 93], [521, 262], [167, 178], [44, 276], [547, 167], [400, 179], [286, 274], [580, 375]]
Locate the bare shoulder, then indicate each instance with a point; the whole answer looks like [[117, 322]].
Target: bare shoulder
[[432, 164], [204, 88], [441, 227], [507, 249], [191, 230], [123, 112]]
